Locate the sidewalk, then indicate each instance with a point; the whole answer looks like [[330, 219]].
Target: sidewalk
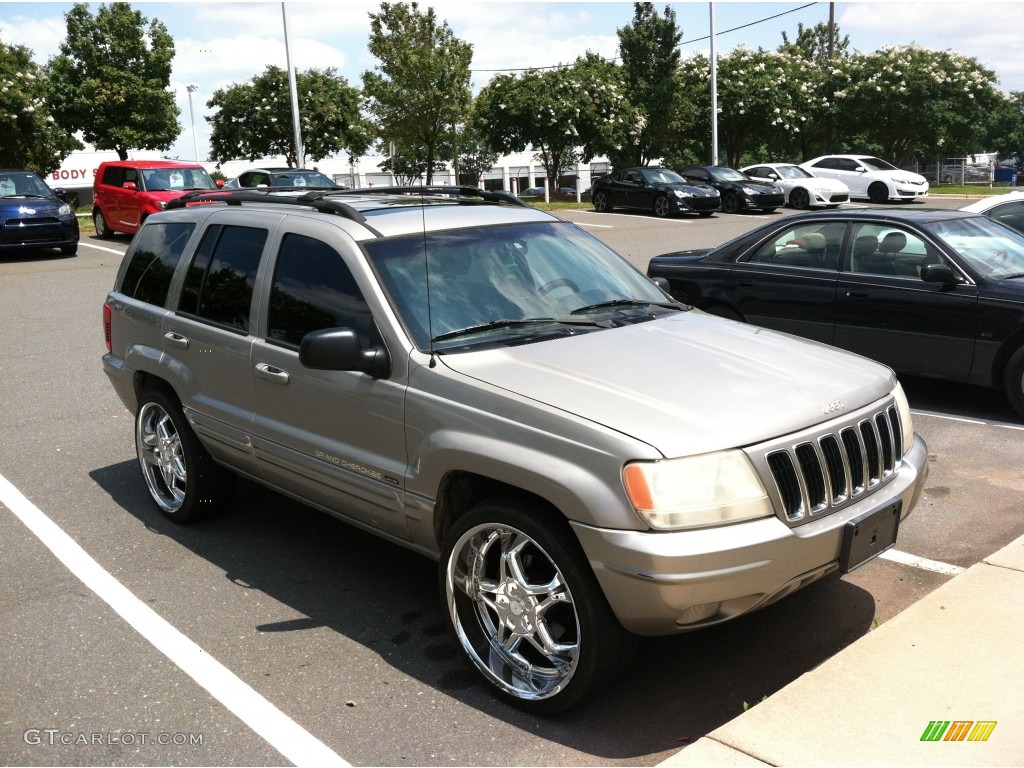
[[956, 655]]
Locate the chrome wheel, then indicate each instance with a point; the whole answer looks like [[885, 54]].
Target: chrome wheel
[[161, 457], [102, 230], [661, 206], [512, 611], [602, 204]]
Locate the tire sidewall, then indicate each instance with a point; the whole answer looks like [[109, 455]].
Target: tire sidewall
[[1013, 381], [595, 665]]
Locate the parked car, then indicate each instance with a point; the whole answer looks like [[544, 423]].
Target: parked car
[[658, 190], [1007, 209], [739, 192], [281, 177], [801, 188], [870, 177], [928, 292], [33, 216], [493, 387], [962, 174], [125, 192]]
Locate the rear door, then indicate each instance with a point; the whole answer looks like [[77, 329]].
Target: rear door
[[337, 438]]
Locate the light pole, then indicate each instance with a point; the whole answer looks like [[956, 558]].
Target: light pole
[[192, 88]]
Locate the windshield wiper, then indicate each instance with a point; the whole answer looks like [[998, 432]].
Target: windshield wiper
[[1010, 277], [510, 323], [625, 303]]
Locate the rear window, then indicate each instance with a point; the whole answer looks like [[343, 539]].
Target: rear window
[[157, 250]]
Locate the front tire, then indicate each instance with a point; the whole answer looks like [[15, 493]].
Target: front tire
[[526, 608], [602, 203], [799, 199], [182, 478], [662, 207], [730, 202], [878, 193], [1013, 381]]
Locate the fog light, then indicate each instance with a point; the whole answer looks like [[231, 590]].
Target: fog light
[[698, 613]]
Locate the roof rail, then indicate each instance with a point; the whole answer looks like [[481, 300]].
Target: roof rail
[[444, 191], [318, 199]]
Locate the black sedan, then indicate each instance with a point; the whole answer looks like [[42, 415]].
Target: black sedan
[[739, 192], [927, 292], [658, 190]]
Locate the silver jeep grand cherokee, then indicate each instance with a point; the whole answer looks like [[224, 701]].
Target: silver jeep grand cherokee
[[491, 386]]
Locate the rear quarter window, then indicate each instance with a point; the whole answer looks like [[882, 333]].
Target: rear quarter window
[[157, 251]]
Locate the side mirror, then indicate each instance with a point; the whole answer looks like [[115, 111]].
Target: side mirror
[[219, 183], [338, 349], [938, 273]]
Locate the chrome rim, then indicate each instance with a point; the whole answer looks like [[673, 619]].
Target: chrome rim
[[161, 457], [600, 202], [512, 611], [661, 207]]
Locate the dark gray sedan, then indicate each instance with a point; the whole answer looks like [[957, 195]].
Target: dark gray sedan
[[928, 292]]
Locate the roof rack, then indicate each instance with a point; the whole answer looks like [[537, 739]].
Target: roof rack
[[445, 191], [318, 199]]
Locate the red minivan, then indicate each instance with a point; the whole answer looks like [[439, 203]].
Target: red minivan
[[125, 192]]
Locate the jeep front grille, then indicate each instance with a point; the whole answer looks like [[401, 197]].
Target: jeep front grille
[[816, 472]]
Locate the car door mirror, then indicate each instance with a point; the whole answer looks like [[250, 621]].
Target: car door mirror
[[130, 185], [938, 273], [338, 349]]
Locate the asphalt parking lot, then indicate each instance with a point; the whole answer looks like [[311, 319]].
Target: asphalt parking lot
[[274, 635]]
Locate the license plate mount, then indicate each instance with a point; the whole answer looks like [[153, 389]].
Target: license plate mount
[[866, 537]]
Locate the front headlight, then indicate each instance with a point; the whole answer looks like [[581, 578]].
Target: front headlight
[[64, 210], [680, 193], [906, 423], [696, 491]]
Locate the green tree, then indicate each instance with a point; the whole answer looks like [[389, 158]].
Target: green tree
[[908, 102], [649, 48], [566, 115], [111, 77], [1006, 131], [420, 89], [31, 137], [812, 43], [254, 119]]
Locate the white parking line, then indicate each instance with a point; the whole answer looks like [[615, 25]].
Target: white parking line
[[635, 216], [923, 563], [980, 422], [99, 248], [270, 723]]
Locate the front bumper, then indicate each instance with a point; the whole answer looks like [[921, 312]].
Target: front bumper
[[38, 232], [760, 202], [661, 583]]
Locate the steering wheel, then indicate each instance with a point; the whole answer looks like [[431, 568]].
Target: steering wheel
[[558, 282], [997, 256]]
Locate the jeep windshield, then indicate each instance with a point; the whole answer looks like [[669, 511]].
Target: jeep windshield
[[489, 284]]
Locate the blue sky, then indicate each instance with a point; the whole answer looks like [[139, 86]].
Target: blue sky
[[220, 43]]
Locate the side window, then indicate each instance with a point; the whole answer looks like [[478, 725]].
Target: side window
[[158, 248], [1011, 214], [219, 282], [314, 289], [800, 246], [132, 175], [878, 249], [113, 176]]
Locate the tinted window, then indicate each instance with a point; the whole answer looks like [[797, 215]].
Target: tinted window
[[113, 175], [218, 286], [158, 248], [313, 289]]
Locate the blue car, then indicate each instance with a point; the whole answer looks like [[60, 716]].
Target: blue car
[[32, 216]]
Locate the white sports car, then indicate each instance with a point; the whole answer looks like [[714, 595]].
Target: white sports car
[[1008, 209], [802, 189]]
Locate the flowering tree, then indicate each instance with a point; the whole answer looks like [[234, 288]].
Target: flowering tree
[[254, 119], [566, 115], [31, 138], [908, 101]]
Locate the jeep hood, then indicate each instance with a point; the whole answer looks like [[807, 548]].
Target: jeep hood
[[685, 384]]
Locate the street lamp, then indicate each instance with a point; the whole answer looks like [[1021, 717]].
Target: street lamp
[[192, 88]]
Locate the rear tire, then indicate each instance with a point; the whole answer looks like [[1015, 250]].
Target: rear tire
[[182, 478], [1013, 381], [526, 608], [103, 231]]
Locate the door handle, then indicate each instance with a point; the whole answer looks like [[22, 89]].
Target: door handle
[[857, 294], [270, 373], [176, 340]]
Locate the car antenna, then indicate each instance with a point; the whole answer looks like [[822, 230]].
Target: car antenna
[[426, 269]]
